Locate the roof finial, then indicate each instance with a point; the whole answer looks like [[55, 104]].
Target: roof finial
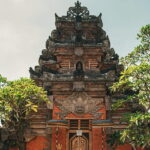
[[78, 7], [78, 4], [78, 10]]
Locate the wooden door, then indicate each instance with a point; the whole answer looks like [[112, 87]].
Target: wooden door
[[79, 143]]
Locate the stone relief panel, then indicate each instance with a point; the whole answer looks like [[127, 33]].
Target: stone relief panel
[[80, 103], [78, 51]]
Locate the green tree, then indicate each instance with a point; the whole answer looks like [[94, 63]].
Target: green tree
[[17, 100], [2, 81], [135, 78], [114, 140]]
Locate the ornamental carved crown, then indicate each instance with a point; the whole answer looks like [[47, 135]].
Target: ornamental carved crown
[[78, 10]]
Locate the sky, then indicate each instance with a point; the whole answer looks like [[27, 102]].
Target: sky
[[26, 24]]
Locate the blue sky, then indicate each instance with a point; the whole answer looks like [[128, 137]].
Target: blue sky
[[26, 24]]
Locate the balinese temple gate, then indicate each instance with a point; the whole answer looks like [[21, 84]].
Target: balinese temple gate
[[76, 68]]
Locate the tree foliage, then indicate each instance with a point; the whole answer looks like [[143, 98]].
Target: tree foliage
[[17, 100], [136, 78], [2, 81], [114, 140]]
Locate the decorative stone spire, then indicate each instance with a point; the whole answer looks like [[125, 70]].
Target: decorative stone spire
[[78, 7], [69, 45], [78, 10], [78, 4]]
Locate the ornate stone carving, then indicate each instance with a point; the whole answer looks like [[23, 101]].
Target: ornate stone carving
[[47, 57], [78, 51], [47, 75], [55, 34], [37, 73], [111, 56], [49, 43], [78, 11], [48, 70], [80, 103]]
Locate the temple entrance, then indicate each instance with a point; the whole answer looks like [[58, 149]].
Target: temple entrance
[[79, 143], [79, 134]]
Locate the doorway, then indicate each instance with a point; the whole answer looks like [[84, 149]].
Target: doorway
[[79, 134], [79, 143]]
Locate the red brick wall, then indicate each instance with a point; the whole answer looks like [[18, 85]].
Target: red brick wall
[[124, 147], [38, 143], [98, 139]]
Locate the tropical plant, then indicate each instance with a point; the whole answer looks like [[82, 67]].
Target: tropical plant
[[136, 78], [17, 100]]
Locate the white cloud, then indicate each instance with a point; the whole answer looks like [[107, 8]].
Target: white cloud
[[26, 24]]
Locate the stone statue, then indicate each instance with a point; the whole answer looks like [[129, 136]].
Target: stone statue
[[36, 73]]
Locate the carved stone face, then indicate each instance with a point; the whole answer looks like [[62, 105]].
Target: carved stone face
[[80, 103], [79, 109]]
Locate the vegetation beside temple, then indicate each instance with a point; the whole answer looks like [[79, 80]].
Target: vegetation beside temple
[[134, 83], [18, 99]]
